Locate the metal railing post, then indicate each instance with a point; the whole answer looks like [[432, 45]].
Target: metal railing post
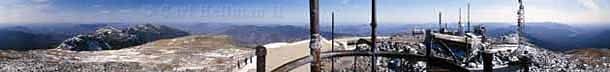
[[332, 42], [487, 62], [373, 35], [428, 42], [525, 61], [261, 52]]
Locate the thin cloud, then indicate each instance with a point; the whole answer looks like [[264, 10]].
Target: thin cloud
[[24, 11], [40, 1], [590, 4]]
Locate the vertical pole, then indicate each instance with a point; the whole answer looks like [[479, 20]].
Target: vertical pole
[[520, 21], [428, 42], [524, 63], [468, 17], [314, 43], [520, 24], [487, 59], [355, 64], [238, 63], [446, 28], [261, 52], [332, 43], [460, 25], [373, 35], [440, 23], [468, 30], [483, 34]]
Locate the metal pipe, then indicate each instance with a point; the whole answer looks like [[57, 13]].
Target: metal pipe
[[332, 43], [434, 61], [451, 53], [373, 35], [314, 43]]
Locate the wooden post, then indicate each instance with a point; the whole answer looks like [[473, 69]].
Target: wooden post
[[261, 52]]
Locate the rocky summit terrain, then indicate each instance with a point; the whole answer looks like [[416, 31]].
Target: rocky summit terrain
[[109, 38], [190, 53], [591, 52], [544, 60]]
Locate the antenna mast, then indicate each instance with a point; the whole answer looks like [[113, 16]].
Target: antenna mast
[[520, 21], [460, 26], [440, 21], [446, 28], [468, 16]]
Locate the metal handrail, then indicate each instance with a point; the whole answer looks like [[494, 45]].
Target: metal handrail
[[434, 61]]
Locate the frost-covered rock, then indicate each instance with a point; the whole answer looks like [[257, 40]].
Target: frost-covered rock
[[109, 38], [84, 43]]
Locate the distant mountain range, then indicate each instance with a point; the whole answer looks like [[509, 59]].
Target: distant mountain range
[[554, 36], [558, 37], [251, 35], [41, 36], [19, 40], [26, 37], [550, 35]]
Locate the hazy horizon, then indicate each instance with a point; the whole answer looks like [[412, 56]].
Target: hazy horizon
[[296, 24], [295, 11]]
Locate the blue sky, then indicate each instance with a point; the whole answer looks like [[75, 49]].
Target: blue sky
[[295, 11]]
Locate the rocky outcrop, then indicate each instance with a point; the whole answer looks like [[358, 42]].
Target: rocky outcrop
[[109, 38], [84, 43], [25, 37]]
